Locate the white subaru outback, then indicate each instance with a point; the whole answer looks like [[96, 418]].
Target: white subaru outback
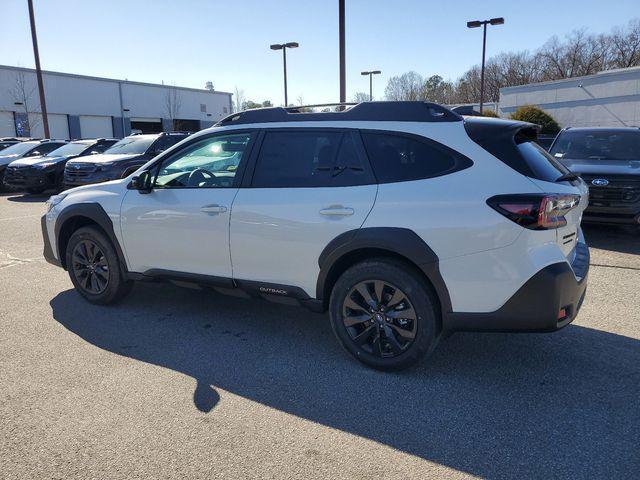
[[403, 219]]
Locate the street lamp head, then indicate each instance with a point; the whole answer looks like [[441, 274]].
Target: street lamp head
[[474, 24], [291, 45], [276, 46], [365, 73], [497, 21], [376, 72]]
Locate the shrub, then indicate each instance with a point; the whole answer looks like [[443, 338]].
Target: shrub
[[533, 114], [489, 113]]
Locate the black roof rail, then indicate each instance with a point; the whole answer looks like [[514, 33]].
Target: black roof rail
[[404, 111]]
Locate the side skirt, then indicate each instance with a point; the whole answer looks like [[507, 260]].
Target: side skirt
[[272, 292]]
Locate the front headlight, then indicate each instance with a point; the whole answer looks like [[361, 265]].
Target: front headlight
[[54, 200], [44, 165], [104, 166]]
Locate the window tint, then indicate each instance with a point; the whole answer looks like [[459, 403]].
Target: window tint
[[296, 159], [311, 158], [543, 165], [351, 168], [397, 157], [211, 162], [166, 142]]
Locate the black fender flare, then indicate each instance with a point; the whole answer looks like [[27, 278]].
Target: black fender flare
[[400, 241], [94, 212]]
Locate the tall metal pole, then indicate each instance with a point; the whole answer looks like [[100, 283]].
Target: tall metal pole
[[343, 78], [43, 103], [370, 87], [484, 47], [284, 61]]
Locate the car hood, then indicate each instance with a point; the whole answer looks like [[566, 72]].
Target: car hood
[[7, 159], [23, 162], [603, 167], [106, 158]]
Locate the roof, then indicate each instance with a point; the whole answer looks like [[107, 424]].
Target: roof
[[604, 73], [104, 79]]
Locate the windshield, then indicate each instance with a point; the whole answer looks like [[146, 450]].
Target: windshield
[[19, 148], [598, 145], [68, 150], [131, 145]]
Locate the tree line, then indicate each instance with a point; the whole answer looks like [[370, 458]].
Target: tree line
[[579, 53]]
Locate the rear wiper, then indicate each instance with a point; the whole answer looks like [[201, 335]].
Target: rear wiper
[[567, 177]]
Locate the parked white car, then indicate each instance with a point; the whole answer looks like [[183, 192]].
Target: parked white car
[[403, 219]]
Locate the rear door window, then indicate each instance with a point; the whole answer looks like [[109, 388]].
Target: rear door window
[[311, 158], [397, 157]]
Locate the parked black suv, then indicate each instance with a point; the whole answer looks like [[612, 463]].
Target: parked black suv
[[37, 174], [26, 149], [120, 160], [608, 160]]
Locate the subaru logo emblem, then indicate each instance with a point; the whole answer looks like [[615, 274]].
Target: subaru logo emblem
[[600, 182]]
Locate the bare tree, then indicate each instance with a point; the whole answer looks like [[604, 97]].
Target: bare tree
[[408, 86], [239, 101], [360, 97], [24, 93], [625, 46], [172, 105]]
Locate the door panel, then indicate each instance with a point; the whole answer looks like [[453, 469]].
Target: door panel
[[175, 229], [277, 234]]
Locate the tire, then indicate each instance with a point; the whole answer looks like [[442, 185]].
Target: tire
[[403, 292], [36, 191], [90, 250]]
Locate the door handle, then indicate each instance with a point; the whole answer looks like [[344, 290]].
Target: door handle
[[337, 211], [213, 208]]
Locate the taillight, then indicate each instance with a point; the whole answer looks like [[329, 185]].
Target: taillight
[[533, 211]]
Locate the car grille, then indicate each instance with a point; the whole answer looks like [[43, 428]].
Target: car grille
[[17, 174], [78, 171], [621, 190]]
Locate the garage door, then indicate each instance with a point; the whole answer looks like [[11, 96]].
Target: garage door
[[146, 125], [7, 126], [94, 126], [58, 126]]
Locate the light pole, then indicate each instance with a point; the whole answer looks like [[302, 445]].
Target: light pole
[[341, 41], [43, 103], [283, 47], [484, 23], [371, 74]]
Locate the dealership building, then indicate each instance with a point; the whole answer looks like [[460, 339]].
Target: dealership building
[[79, 106], [606, 99]]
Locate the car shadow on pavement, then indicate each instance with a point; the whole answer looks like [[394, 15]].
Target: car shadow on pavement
[[493, 405], [623, 239], [29, 198]]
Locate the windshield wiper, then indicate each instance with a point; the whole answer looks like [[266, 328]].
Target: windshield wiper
[[567, 177]]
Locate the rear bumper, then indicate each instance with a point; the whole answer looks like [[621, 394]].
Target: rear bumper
[[537, 305]]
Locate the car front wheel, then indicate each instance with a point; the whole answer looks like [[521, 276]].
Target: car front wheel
[[94, 267], [383, 314]]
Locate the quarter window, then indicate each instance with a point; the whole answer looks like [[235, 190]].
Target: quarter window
[[212, 162], [397, 157]]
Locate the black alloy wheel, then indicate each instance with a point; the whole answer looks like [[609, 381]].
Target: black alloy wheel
[[379, 318], [90, 267]]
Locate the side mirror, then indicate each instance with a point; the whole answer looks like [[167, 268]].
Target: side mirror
[[141, 182]]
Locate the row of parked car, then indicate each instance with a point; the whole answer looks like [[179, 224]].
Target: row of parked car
[[34, 165]]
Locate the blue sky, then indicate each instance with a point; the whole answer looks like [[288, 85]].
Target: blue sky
[[191, 41]]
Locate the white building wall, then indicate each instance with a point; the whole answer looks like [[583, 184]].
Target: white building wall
[[74, 95], [607, 99]]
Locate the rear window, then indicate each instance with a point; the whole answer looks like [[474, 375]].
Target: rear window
[[543, 165], [597, 145], [400, 157], [514, 145]]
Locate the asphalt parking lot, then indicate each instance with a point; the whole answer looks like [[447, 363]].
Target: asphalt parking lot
[[179, 383]]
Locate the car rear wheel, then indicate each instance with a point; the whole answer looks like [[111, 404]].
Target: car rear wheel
[[383, 314], [94, 267]]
